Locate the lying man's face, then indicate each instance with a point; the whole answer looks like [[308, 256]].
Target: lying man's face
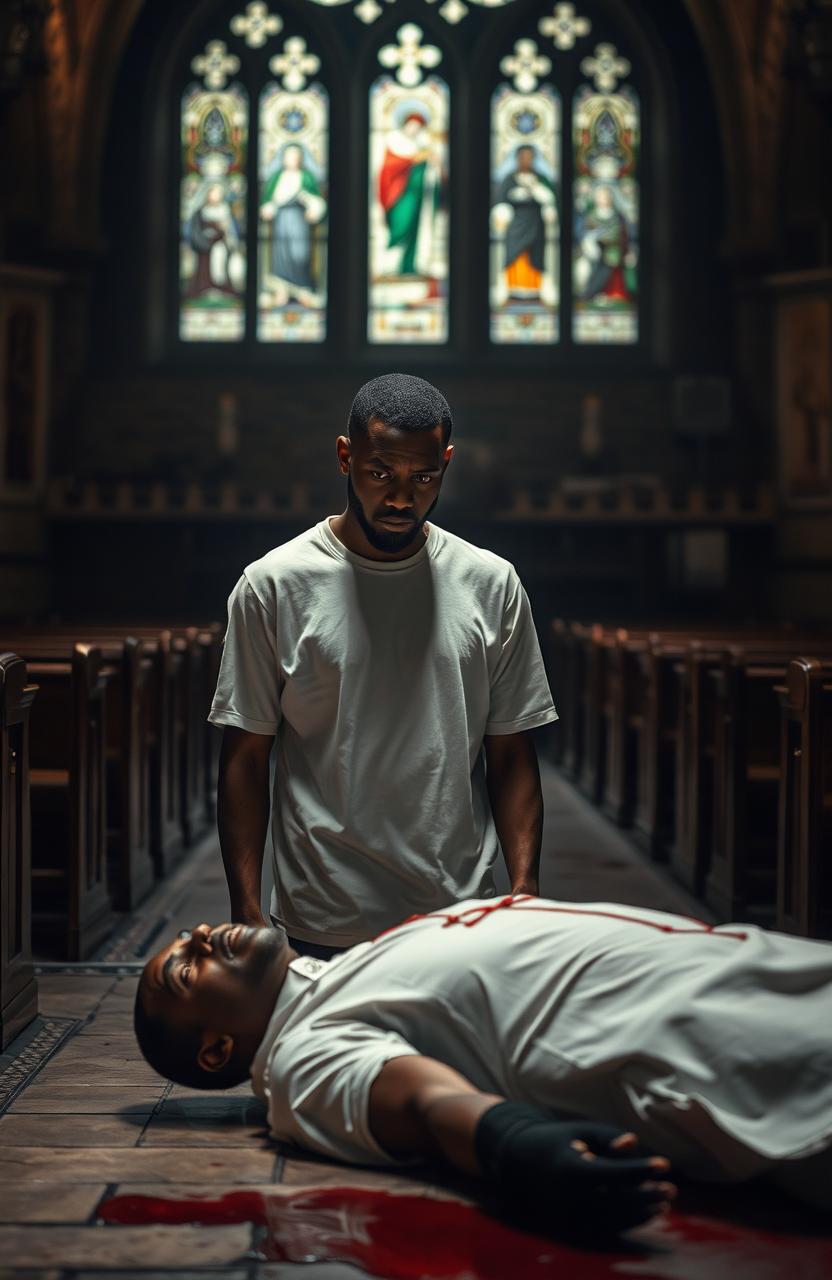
[[205, 1000]]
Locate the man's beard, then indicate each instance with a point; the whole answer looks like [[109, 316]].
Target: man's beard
[[385, 539]]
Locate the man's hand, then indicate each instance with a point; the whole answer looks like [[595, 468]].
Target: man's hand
[[525, 886], [573, 1176], [249, 915]]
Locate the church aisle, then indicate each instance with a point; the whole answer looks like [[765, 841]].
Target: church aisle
[[95, 1134]]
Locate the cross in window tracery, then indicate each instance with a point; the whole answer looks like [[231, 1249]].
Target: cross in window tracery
[[409, 56], [294, 65], [257, 24], [453, 11], [526, 65], [605, 68], [216, 64], [564, 26], [367, 11]]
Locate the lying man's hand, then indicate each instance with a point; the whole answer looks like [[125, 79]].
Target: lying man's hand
[[574, 1175]]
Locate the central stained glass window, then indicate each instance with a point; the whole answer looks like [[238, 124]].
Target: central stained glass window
[[408, 233]]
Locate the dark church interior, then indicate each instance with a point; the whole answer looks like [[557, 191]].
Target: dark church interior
[[603, 230]]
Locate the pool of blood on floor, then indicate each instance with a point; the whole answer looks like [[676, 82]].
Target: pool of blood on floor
[[405, 1237]]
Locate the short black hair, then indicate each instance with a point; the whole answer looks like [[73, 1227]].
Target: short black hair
[[172, 1052], [403, 401]]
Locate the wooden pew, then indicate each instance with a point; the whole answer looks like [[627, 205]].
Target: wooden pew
[[593, 648], [167, 840], [620, 694], [695, 703], [804, 825], [626, 683], [18, 986], [741, 865], [193, 653], [658, 742], [558, 663], [184, 747], [210, 639], [129, 750], [641, 672], [615, 708], [572, 702], [731, 809], [678, 731], [699, 765], [162, 742], [655, 739], [71, 904], [625, 706]]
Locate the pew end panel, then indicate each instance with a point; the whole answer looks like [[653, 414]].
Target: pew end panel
[[18, 985], [624, 712], [72, 908], [742, 880], [804, 826], [653, 823], [594, 646], [129, 712]]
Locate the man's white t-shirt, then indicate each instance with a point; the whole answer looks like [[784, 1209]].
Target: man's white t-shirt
[[380, 680], [714, 1045]]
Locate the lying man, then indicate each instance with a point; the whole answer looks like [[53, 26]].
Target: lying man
[[464, 1033]]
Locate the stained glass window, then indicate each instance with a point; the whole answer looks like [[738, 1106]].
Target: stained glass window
[[605, 195], [408, 250], [525, 218], [293, 171], [212, 256], [550, 281]]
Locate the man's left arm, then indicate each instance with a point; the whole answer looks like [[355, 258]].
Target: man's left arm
[[513, 780]]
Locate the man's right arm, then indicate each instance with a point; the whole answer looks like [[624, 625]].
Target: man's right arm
[[243, 805], [562, 1175]]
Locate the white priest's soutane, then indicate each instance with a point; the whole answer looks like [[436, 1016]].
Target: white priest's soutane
[[713, 1044]]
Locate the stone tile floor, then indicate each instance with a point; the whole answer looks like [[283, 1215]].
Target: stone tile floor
[[95, 1123]]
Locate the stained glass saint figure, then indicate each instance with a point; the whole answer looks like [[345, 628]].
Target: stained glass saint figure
[[212, 259], [606, 216], [293, 214], [408, 293], [525, 219]]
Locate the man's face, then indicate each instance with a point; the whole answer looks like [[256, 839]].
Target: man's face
[[393, 481], [524, 159], [223, 979]]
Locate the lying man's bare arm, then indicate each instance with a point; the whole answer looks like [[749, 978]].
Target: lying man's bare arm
[[243, 818], [421, 1107], [558, 1174]]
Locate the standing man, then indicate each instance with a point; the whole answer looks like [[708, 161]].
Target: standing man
[[398, 669]]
